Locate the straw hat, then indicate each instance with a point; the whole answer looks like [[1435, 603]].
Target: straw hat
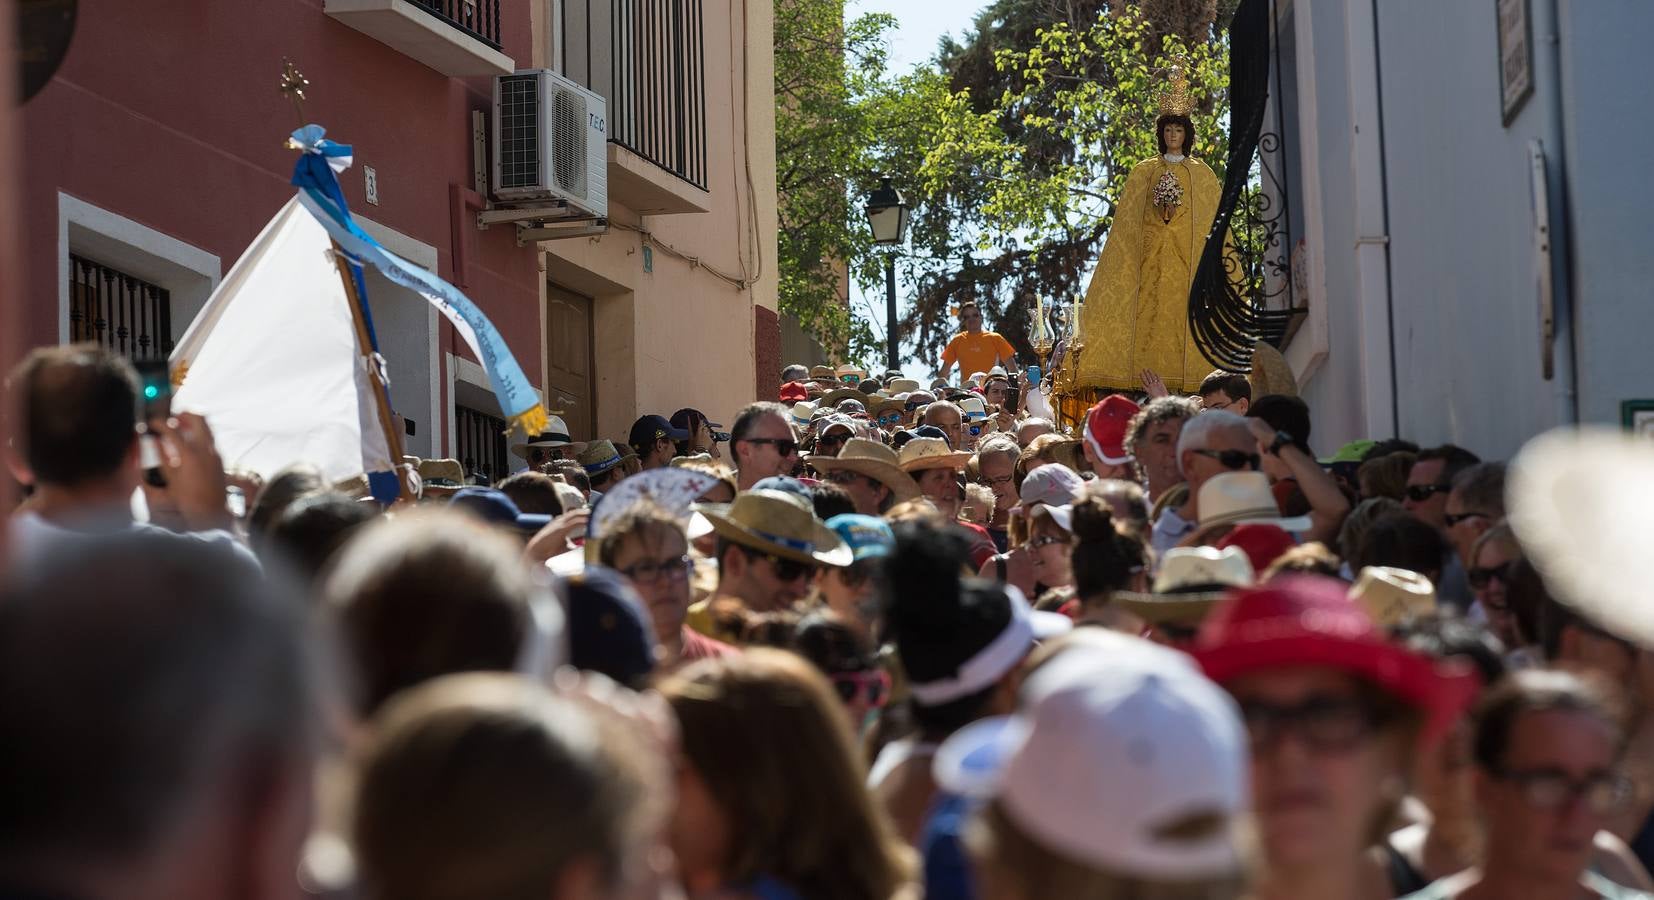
[[1582, 504], [599, 457], [848, 369], [440, 476], [903, 386], [930, 453], [1391, 595], [886, 405], [822, 373], [802, 411], [1190, 581], [873, 459], [777, 522], [555, 434], [832, 398], [1239, 498], [1270, 373]]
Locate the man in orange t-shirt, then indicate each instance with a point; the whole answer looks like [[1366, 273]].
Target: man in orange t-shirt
[[975, 350]]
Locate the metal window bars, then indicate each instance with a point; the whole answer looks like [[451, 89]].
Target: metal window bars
[[119, 311], [478, 18], [480, 442]]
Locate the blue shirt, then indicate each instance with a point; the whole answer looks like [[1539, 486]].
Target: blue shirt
[[941, 843]]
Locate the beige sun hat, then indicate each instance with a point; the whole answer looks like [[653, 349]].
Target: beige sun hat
[[903, 386], [1581, 501], [1392, 595], [849, 369], [440, 477], [780, 523], [873, 459], [832, 398], [1240, 498], [1190, 582], [1270, 372], [802, 411], [930, 453]]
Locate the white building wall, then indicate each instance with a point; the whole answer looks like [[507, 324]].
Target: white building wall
[[1457, 214]]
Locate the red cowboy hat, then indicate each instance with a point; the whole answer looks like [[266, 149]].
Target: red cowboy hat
[[1308, 620]]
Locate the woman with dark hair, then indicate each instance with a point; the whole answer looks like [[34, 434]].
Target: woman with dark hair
[[1547, 748], [961, 642], [1105, 560]]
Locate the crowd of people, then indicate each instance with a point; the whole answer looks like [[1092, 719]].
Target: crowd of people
[[880, 639]]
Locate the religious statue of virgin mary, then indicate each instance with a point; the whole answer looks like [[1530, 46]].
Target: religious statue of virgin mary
[[1135, 315]]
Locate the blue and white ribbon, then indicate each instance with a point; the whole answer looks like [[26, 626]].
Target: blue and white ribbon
[[316, 177]]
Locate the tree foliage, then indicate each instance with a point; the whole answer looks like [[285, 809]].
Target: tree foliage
[[1022, 161]]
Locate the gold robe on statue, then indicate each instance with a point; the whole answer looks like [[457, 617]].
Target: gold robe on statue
[[1136, 311]]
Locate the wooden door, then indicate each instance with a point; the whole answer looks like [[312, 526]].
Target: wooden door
[[569, 360]]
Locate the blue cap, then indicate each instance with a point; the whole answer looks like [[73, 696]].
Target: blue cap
[[607, 628], [492, 505], [869, 537], [787, 485]]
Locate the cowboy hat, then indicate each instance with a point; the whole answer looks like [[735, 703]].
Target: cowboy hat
[[832, 398], [440, 477], [1190, 581], [872, 459], [1582, 504], [1308, 620], [778, 523], [555, 434], [1392, 595], [930, 453], [822, 372], [848, 369], [1239, 498], [1270, 372], [884, 405]]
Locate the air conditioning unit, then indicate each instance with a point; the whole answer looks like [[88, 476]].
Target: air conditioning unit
[[550, 143]]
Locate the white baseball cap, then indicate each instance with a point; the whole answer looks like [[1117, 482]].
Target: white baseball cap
[[1143, 742]]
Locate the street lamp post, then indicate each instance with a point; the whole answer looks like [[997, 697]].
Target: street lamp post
[[887, 215]]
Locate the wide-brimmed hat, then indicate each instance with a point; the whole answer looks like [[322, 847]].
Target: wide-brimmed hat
[[884, 405], [930, 453], [1241, 498], [1582, 504], [802, 411], [873, 459], [1270, 372], [1190, 582], [1105, 429], [973, 408], [832, 398], [1308, 620], [848, 369], [555, 434], [779, 523], [599, 457], [1392, 595], [822, 373], [903, 385]]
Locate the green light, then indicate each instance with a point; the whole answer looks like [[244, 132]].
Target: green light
[[151, 392]]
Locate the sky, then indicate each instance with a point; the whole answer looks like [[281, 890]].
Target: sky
[[919, 24]]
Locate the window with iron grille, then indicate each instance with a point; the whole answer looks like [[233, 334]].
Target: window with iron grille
[[481, 445], [122, 312]]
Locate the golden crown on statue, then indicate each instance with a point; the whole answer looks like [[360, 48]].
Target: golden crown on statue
[[1175, 99]]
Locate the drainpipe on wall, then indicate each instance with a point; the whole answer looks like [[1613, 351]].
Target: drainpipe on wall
[[1547, 62]]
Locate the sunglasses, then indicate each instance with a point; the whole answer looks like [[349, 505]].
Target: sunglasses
[[1419, 493], [912, 405], [1479, 578], [855, 575], [786, 569], [890, 418], [1323, 724], [783, 446], [721, 437], [830, 440], [873, 684], [975, 429], [849, 379], [1547, 789], [1234, 459], [1455, 518], [651, 572]]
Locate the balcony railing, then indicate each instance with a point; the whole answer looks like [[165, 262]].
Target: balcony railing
[[119, 311], [648, 60], [478, 18]]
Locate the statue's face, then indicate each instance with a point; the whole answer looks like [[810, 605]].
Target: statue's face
[[1174, 137]]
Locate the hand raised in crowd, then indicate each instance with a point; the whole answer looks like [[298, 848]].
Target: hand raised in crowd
[[194, 473], [554, 538], [1153, 385]]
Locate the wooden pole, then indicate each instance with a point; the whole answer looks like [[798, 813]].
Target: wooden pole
[[364, 342]]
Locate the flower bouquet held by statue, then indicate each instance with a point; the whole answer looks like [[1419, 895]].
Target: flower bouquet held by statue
[[1168, 195]]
